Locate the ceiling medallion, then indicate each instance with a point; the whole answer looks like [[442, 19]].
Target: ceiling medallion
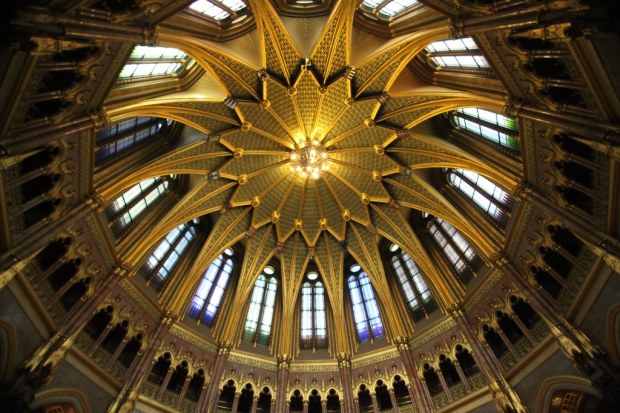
[[309, 159]]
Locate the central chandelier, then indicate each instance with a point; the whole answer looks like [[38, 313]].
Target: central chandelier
[[309, 158]]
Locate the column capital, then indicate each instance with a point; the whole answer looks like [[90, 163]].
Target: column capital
[[94, 201], [284, 361], [456, 27], [513, 107], [402, 343], [224, 347], [121, 270], [344, 360], [99, 118]]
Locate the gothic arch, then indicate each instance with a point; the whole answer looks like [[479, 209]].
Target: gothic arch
[[552, 384], [613, 332], [8, 342], [76, 398]]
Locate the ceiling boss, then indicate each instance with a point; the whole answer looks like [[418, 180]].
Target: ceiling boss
[[309, 159]]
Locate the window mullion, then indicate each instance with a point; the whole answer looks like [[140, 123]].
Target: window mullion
[[456, 248], [169, 252], [490, 125], [209, 295], [262, 311], [416, 292], [143, 194], [364, 302], [133, 131], [482, 192], [137, 61]]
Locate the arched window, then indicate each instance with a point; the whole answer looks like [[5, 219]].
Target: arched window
[[166, 256], [412, 284], [123, 135], [313, 316], [129, 206], [365, 309], [260, 315], [148, 61], [388, 9], [491, 198], [456, 54], [209, 295], [219, 9], [454, 246], [488, 125]]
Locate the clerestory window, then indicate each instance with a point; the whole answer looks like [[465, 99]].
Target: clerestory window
[[133, 203], [211, 290], [164, 260], [219, 9], [456, 54], [260, 314], [125, 134], [149, 61], [488, 125], [388, 9], [313, 315], [455, 247], [412, 284], [492, 199], [366, 315]]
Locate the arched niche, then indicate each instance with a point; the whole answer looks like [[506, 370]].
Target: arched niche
[[8, 344], [555, 392], [63, 397]]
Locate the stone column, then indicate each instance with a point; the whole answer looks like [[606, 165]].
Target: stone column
[[140, 369], [235, 405], [462, 375], [422, 403], [188, 378], [254, 403], [344, 364], [504, 396], [223, 351], [284, 364], [375, 405], [393, 400], [164, 384], [323, 406], [305, 406]]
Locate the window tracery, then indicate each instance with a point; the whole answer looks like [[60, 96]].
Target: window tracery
[[366, 315], [454, 246], [456, 54], [125, 134], [166, 256], [488, 125], [492, 199], [131, 204], [313, 313], [260, 314], [211, 290], [412, 284], [149, 61]]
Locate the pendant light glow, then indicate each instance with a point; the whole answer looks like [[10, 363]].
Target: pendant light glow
[[309, 159]]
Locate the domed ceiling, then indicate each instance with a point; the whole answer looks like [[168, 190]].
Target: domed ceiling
[[246, 172]]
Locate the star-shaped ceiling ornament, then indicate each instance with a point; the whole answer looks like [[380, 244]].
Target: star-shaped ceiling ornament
[[253, 186]]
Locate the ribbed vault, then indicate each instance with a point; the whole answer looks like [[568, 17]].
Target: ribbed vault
[[243, 165]]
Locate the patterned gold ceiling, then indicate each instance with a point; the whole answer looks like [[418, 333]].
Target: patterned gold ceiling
[[373, 179]]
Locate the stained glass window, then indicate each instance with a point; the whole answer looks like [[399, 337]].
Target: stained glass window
[[313, 316], [456, 54], [366, 315], [147, 61], [492, 199], [455, 247], [412, 283], [488, 125], [166, 256], [260, 314], [129, 206], [211, 290], [123, 135], [387, 9]]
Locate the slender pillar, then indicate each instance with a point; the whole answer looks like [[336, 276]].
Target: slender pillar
[[254, 403], [344, 364], [235, 405], [419, 397], [284, 364], [393, 400], [305, 406], [140, 368], [462, 375], [188, 378], [223, 351], [505, 397], [375, 405], [323, 406], [444, 385]]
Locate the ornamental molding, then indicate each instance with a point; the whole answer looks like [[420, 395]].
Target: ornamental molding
[[375, 357], [491, 281], [435, 331], [138, 297], [191, 338], [252, 361], [314, 367]]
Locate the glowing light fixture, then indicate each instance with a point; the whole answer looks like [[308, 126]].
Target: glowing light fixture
[[309, 158]]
